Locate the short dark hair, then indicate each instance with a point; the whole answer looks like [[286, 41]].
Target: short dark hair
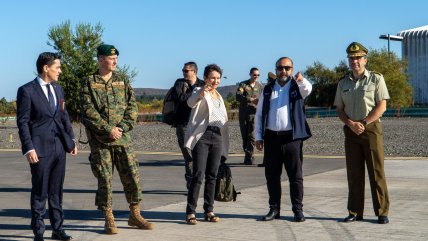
[[212, 67], [46, 58], [276, 64], [192, 65], [253, 69]]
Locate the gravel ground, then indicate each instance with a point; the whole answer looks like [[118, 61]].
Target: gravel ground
[[403, 137]]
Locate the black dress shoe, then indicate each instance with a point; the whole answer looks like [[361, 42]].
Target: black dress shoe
[[352, 218], [272, 214], [61, 235], [38, 237], [382, 220], [299, 217]]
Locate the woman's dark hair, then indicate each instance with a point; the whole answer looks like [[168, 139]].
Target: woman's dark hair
[[46, 58], [210, 68]]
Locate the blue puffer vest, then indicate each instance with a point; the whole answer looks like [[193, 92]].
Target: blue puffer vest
[[301, 130]]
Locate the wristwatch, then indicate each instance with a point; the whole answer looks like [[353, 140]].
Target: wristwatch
[[364, 122]]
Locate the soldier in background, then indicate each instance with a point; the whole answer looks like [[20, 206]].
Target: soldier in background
[[109, 114], [248, 96]]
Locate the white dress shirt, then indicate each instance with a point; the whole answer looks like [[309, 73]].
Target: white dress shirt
[[43, 84], [278, 116]]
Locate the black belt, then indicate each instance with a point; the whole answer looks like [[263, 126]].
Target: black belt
[[214, 129], [279, 133]]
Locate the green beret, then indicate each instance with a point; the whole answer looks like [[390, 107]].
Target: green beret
[[107, 50], [356, 50]]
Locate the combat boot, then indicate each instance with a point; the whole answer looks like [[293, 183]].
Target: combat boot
[[136, 220], [109, 226]]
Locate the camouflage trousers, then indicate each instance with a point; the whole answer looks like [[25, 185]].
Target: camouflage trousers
[[102, 159]]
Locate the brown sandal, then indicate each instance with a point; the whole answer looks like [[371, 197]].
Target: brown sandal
[[191, 219], [211, 217]]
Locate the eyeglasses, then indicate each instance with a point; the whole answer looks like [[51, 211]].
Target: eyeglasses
[[256, 74], [281, 68], [187, 70]]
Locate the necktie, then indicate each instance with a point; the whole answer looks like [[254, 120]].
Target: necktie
[[51, 98]]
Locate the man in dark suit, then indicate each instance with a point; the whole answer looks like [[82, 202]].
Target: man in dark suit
[[46, 135]]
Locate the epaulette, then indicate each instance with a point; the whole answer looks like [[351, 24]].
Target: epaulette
[[346, 76], [377, 73]]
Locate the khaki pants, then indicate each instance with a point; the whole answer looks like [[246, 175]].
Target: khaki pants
[[366, 148]]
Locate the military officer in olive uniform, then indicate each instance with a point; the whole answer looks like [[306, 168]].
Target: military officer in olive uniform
[[248, 94], [109, 114], [360, 102]]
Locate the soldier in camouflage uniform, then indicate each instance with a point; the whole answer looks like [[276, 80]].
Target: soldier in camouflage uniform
[[248, 96], [109, 114]]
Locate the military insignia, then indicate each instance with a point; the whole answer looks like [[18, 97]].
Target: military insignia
[[255, 89], [293, 94], [355, 47], [97, 85], [119, 83], [241, 89], [113, 51]]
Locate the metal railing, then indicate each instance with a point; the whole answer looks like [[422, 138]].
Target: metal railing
[[312, 112]]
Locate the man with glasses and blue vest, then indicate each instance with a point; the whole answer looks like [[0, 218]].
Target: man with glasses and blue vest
[[281, 128]]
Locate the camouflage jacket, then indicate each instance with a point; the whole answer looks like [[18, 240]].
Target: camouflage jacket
[[106, 105]]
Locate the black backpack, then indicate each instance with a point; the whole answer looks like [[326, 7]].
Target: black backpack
[[224, 188], [169, 108]]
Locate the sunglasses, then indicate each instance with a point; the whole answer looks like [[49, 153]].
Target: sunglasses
[[256, 74], [187, 70], [281, 68]]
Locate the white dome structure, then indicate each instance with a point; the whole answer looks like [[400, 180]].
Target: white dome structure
[[415, 50]]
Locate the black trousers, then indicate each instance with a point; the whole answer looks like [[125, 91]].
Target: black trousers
[[187, 154], [206, 160], [47, 178], [280, 149]]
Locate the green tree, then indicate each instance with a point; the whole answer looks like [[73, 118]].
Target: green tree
[[393, 70], [78, 47], [7, 108], [126, 73], [324, 82], [231, 102]]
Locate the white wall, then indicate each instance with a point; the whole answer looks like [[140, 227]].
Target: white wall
[[415, 50]]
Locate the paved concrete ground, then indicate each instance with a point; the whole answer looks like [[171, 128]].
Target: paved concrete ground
[[164, 203]]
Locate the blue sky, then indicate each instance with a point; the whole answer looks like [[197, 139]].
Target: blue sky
[[156, 37]]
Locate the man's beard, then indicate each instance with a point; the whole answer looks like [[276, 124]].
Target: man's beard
[[284, 78]]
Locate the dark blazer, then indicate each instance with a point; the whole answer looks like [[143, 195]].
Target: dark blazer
[[38, 124]]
